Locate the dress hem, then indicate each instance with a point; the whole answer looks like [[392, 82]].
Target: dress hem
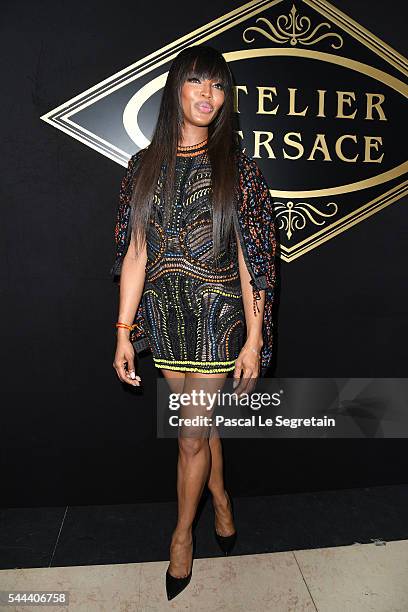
[[209, 367]]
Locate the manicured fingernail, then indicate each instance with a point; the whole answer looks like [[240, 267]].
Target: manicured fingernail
[[132, 374], [138, 378]]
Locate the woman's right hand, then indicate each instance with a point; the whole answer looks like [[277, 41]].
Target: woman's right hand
[[125, 354]]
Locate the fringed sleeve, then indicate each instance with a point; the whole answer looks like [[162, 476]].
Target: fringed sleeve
[[259, 230], [122, 238], [259, 237], [123, 215]]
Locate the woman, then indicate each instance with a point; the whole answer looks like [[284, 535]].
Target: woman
[[195, 254]]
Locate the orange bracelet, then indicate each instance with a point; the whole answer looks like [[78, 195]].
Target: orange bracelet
[[125, 326]]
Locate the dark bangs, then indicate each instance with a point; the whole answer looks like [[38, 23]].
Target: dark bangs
[[206, 63]]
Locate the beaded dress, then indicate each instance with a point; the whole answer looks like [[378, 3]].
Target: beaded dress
[[193, 309]]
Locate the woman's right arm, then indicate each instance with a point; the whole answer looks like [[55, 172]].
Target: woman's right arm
[[132, 280]]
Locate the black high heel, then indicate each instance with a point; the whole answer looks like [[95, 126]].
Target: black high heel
[[226, 543], [175, 585]]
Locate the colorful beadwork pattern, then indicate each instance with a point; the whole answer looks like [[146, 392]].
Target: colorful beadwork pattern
[[191, 314]]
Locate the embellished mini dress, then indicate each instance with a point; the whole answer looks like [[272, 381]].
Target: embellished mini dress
[[193, 309]]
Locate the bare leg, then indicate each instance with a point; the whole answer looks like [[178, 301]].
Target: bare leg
[[175, 380], [224, 523], [193, 470]]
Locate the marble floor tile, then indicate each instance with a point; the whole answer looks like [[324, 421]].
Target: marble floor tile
[[96, 588], [357, 578], [241, 583], [249, 583]]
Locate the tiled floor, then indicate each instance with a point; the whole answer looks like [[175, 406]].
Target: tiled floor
[[330, 551], [356, 578]]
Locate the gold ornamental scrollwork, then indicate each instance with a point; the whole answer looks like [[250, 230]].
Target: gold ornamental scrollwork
[[294, 29], [293, 216]]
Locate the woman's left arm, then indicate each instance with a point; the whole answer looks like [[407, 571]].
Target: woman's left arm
[[248, 360]]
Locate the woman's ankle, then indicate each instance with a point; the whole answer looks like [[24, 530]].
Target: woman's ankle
[[219, 495], [183, 533]]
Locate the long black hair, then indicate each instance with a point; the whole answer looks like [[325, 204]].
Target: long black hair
[[204, 62]]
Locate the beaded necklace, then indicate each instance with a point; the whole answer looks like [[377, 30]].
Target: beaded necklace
[[192, 150]]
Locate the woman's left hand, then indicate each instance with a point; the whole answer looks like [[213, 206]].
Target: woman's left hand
[[248, 363]]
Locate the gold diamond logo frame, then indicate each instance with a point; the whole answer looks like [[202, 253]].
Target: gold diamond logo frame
[[61, 117]]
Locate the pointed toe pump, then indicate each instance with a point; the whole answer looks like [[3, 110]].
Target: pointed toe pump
[[226, 543], [175, 585]]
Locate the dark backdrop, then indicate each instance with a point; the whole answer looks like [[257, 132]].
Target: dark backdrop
[[70, 432]]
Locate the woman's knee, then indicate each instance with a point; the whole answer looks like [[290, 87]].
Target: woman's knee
[[191, 445]]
